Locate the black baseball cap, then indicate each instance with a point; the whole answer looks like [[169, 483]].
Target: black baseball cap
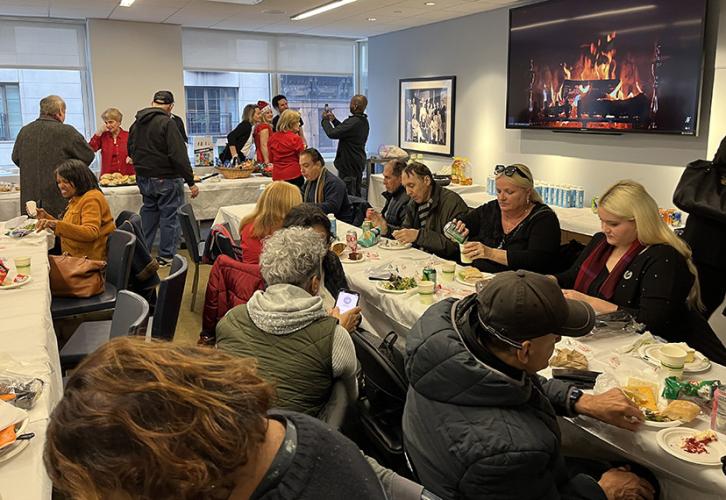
[[164, 97], [515, 306]]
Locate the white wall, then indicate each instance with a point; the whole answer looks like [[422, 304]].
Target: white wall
[[474, 48], [130, 61]]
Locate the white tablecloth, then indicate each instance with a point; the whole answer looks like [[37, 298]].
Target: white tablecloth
[[9, 205], [29, 347], [376, 189], [387, 312]]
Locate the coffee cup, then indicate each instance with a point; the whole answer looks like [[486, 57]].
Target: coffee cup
[[464, 259], [672, 359]]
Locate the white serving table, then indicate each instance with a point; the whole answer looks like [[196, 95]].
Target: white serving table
[[29, 347], [389, 312]]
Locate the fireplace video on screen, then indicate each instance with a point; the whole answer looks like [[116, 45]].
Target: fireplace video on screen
[[613, 65]]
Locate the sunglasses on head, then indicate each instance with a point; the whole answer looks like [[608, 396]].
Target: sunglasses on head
[[509, 171]]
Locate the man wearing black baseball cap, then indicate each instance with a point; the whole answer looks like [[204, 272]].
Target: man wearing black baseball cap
[[479, 422], [162, 166]]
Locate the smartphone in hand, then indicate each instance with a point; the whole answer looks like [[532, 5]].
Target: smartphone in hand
[[327, 109], [347, 300]]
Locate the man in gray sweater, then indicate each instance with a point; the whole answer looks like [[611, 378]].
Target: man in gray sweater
[[40, 146]]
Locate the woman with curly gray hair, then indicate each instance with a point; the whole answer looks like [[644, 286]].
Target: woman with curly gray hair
[[297, 343]]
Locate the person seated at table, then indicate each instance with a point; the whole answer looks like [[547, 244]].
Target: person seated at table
[[312, 216], [111, 139], [262, 132], [285, 146], [272, 207], [169, 421], [299, 346], [515, 231], [394, 210], [638, 265], [240, 140], [430, 208], [87, 221], [479, 422], [323, 188]]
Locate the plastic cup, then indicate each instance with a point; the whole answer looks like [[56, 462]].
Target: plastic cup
[[672, 359], [447, 271], [22, 265], [464, 259], [426, 292]]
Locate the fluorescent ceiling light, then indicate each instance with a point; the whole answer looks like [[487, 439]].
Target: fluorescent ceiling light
[[320, 9], [126, 3]]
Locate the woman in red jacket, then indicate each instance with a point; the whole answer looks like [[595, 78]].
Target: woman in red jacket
[[285, 147], [274, 203], [111, 139]]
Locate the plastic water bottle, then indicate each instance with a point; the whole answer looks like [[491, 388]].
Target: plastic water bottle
[[333, 225], [580, 197]]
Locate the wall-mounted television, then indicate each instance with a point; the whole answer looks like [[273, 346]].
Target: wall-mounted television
[[606, 65]]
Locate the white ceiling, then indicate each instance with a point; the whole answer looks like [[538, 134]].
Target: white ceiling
[[271, 16]]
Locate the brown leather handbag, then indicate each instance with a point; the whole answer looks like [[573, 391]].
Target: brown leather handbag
[[78, 277]]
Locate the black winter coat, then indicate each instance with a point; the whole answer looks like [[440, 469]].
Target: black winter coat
[[352, 135]]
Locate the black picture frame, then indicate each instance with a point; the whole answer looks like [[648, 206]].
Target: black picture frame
[[426, 115]]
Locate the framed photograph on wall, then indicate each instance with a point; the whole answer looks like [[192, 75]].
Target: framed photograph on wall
[[426, 115]]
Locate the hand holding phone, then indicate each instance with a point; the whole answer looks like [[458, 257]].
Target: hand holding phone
[[347, 300]]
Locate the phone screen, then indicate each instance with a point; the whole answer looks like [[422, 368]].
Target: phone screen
[[347, 300]]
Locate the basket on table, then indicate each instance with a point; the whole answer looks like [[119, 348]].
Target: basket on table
[[234, 173]]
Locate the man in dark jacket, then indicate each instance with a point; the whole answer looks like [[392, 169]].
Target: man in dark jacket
[[430, 208], [479, 422], [162, 166], [39, 148], [352, 135], [391, 217]]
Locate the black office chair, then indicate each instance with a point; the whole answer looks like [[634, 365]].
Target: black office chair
[[193, 241], [168, 304], [120, 250], [383, 396], [130, 315], [336, 409]]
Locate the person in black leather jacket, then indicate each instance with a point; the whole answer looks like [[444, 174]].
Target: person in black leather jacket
[[394, 210]]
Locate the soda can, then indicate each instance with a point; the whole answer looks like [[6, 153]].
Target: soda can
[[718, 413], [454, 235], [351, 239], [429, 274]]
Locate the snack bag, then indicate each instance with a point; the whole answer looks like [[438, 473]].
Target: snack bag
[[700, 393]]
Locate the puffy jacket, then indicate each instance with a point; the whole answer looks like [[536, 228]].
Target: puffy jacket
[[394, 209], [157, 147], [231, 283], [473, 432]]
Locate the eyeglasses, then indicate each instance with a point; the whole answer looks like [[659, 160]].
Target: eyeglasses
[[510, 170]]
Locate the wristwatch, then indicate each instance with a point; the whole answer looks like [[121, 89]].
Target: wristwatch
[[573, 397]]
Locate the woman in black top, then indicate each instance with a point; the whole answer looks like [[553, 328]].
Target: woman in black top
[[515, 231], [637, 264], [240, 136]]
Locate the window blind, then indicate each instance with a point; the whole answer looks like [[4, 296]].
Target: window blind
[[26, 44]]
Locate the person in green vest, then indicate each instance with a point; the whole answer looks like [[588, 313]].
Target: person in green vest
[[301, 348]]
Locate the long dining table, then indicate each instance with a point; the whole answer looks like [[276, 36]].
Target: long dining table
[[29, 348], [387, 312]]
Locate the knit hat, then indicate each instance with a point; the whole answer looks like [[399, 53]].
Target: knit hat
[[264, 106]]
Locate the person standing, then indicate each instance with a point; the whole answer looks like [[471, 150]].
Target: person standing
[[40, 147], [240, 140], [279, 102], [352, 135], [262, 132], [285, 147], [159, 155], [112, 140]]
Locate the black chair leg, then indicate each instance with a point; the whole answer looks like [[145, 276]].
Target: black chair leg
[[195, 285]]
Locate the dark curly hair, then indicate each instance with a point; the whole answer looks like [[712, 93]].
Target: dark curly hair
[[156, 421]]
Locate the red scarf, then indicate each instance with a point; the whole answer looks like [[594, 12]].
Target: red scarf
[[595, 263]]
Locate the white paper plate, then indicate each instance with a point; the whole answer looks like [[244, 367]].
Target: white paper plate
[[16, 285], [662, 425], [672, 439], [459, 279], [345, 260], [390, 245], [650, 353], [9, 450], [383, 289]]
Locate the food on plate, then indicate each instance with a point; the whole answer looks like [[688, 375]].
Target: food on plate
[[697, 443], [355, 256], [400, 283], [699, 392], [642, 393], [569, 358], [338, 248], [471, 275], [7, 435], [385, 243], [7, 397], [116, 179], [21, 231], [20, 391], [656, 416], [685, 411]]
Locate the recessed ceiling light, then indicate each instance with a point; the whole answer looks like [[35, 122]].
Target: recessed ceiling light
[[126, 3], [372, 19], [430, 4]]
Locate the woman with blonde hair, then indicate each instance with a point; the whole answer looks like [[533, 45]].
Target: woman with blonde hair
[[637, 264], [112, 140], [262, 132], [285, 147], [272, 207], [515, 231]]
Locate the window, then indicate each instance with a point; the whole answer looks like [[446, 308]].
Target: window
[[309, 94], [363, 68], [211, 110], [10, 117]]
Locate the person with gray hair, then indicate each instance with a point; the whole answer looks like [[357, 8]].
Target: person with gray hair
[[300, 347], [40, 147]]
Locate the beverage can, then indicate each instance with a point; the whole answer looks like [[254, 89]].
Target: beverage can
[[454, 235], [718, 413], [367, 225], [429, 274], [351, 239], [333, 225]]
